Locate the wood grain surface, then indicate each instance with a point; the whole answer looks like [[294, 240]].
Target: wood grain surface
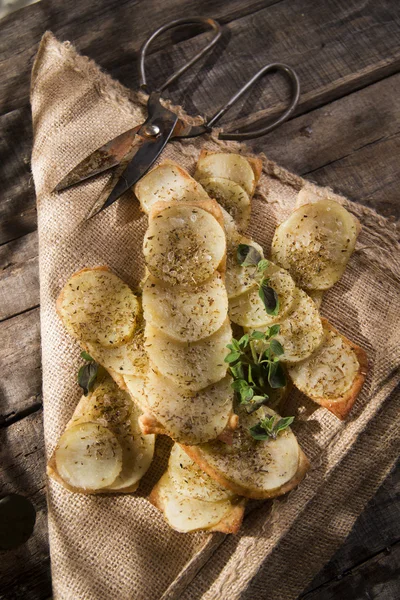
[[345, 134]]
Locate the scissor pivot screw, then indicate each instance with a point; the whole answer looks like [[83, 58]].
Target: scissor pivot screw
[[151, 130]]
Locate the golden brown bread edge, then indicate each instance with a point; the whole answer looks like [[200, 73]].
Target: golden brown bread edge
[[229, 524], [195, 454], [341, 406]]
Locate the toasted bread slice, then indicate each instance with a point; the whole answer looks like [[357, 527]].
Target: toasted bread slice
[[251, 468], [334, 374], [102, 449]]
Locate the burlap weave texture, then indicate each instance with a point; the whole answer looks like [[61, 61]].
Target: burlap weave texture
[[118, 547]]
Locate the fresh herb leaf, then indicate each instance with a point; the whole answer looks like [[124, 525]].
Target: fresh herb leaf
[[269, 428], [274, 330], [269, 297], [244, 341], [276, 375], [257, 335], [232, 357], [262, 265], [256, 403], [245, 392], [247, 255], [276, 348], [85, 355], [87, 375]]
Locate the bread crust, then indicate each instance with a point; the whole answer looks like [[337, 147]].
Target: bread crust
[[341, 406], [196, 454], [229, 524]]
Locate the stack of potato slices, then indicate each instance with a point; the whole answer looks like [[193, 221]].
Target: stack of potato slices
[[160, 366]]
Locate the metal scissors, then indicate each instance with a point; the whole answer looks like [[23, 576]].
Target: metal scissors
[[135, 150]]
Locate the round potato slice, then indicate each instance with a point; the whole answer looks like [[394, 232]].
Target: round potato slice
[[301, 331], [192, 365], [234, 167], [231, 231], [88, 456], [189, 480], [238, 278], [232, 197], [136, 387], [330, 371], [188, 514], [190, 417], [186, 315], [184, 245], [315, 244], [248, 309], [252, 468], [167, 182], [97, 307], [129, 359]]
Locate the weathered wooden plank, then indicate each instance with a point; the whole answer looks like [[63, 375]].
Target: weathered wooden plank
[[109, 31], [25, 571], [377, 528], [19, 276], [377, 578], [17, 206], [20, 364]]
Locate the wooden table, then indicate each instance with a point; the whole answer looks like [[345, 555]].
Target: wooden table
[[345, 134]]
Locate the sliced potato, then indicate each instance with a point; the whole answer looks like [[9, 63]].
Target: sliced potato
[[129, 359], [315, 244], [187, 514], [301, 331], [191, 365], [231, 231], [184, 244], [234, 167], [88, 456], [248, 309], [184, 314], [97, 307], [238, 278], [136, 387], [190, 481], [255, 469], [111, 410], [190, 417], [317, 296], [232, 197], [333, 374], [167, 182]]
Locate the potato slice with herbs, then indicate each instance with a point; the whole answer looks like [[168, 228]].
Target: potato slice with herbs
[[250, 467], [232, 234], [109, 411], [333, 375], [129, 359], [248, 309], [233, 167], [88, 457], [191, 365], [190, 481], [97, 307], [190, 417], [136, 387], [190, 514], [241, 278], [315, 244], [186, 315], [168, 182], [184, 244], [232, 197], [300, 332]]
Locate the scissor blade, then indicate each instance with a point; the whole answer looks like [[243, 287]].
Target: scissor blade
[[102, 159], [148, 152]]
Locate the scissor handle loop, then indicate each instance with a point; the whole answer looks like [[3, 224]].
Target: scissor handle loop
[[186, 21], [283, 117]]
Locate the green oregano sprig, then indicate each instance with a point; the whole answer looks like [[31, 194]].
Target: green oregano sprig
[[249, 256], [270, 427], [87, 373]]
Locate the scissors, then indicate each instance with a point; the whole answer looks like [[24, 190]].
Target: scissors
[[133, 152]]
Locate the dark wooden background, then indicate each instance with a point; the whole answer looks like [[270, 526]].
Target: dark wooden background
[[345, 134]]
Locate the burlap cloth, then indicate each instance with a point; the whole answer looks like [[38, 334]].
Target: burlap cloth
[[118, 547]]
